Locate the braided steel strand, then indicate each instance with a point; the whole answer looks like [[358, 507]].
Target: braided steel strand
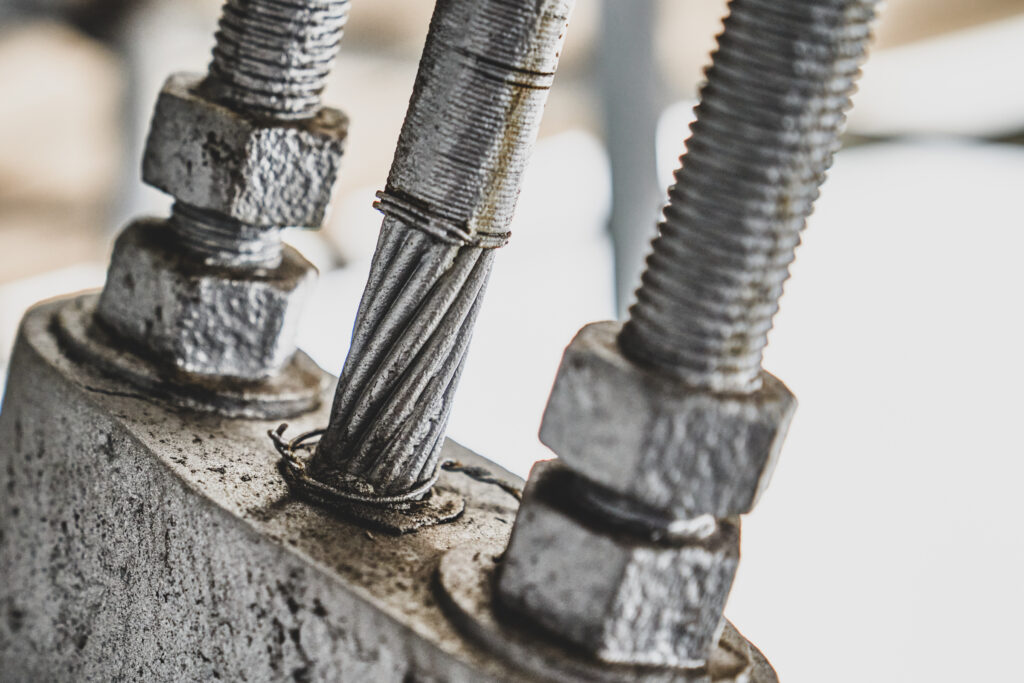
[[471, 124]]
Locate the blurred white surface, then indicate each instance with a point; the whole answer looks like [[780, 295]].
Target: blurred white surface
[[969, 82], [890, 546]]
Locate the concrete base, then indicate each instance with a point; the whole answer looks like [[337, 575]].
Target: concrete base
[[140, 542]]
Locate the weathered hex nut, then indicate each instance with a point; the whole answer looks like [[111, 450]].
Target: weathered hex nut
[[649, 437], [232, 323], [624, 599], [268, 174]]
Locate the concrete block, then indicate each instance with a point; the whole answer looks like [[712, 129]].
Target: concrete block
[[144, 542]]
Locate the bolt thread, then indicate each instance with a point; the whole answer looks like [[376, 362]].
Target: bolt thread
[[220, 241], [272, 57], [767, 126], [472, 120], [479, 96]]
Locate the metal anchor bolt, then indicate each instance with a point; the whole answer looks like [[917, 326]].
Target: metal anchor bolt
[[667, 428], [245, 150], [482, 83], [767, 126], [272, 58]]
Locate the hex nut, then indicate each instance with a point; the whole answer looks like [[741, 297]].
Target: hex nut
[[624, 599], [651, 438], [267, 174], [225, 322]]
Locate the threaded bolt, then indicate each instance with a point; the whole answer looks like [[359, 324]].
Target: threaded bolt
[[221, 241], [272, 57], [767, 127], [271, 61]]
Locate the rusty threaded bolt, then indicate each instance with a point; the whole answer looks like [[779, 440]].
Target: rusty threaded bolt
[[272, 57], [483, 80], [270, 62], [767, 127]]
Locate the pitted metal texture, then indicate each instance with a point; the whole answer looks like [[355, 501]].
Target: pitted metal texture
[[622, 598], [671, 418], [646, 436], [140, 541], [263, 174], [474, 115], [230, 322], [466, 578], [272, 57], [767, 126], [473, 118]]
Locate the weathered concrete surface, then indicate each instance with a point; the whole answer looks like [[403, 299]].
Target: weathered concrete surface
[[141, 543]]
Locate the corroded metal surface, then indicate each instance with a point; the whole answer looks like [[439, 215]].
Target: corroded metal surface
[[670, 423], [680, 451], [430, 505], [466, 576], [295, 389], [272, 57], [245, 151], [209, 156], [767, 126], [142, 542], [234, 323], [474, 114], [624, 598]]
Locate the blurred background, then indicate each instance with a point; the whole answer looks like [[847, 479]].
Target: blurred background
[[890, 545]]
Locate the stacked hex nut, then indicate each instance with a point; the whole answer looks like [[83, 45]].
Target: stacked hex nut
[[649, 437], [203, 318], [245, 151], [642, 578], [668, 427], [209, 156], [624, 597], [212, 291]]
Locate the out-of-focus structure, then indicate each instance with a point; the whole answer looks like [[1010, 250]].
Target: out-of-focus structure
[[153, 529]]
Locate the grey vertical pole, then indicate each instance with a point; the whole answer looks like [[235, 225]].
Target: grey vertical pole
[[630, 104]]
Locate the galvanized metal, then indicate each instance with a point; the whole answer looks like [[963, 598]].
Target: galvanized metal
[[767, 126], [142, 542], [650, 438], [293, 390], [467, 576], [228, 322], [247, 150], [272, 57], [264, 174], [668, 427], [483, 80], [625, 599]]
